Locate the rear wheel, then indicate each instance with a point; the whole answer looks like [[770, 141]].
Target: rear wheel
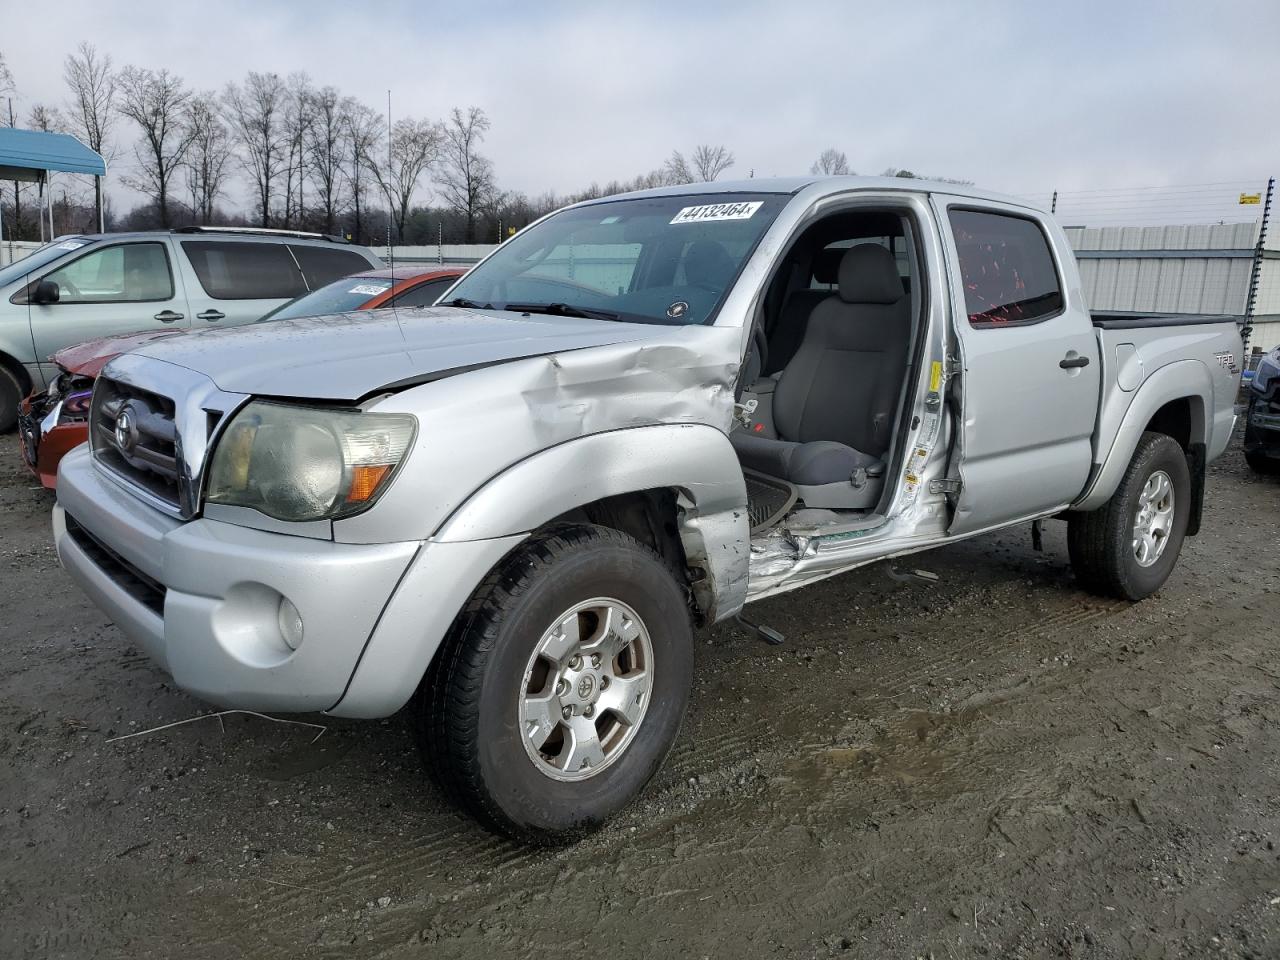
[[1128, 547], [10, 397], [560, 688]]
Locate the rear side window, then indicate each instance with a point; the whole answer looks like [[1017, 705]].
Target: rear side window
[[1008, 271], [321, 265], [244, 271], [424, 294]]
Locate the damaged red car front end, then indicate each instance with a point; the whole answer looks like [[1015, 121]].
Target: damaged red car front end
[[54, 421]]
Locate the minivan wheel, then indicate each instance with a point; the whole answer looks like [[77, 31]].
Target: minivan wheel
[[1128, 547], [10, 398], [561, 686]]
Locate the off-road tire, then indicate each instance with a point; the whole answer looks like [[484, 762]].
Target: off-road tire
[[1100, 542], [10, 398], [465, 713]]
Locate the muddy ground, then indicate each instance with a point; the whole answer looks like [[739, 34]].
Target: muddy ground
[[998, 765]]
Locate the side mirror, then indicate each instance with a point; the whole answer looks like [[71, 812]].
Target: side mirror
[[46, 291]]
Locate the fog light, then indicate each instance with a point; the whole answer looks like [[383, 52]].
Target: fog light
[[290, 621]]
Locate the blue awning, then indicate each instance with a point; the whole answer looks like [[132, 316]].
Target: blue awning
[[26, 154]]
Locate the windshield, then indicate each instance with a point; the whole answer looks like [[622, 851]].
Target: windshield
[[38, 258], [349, 293], [668, 260]]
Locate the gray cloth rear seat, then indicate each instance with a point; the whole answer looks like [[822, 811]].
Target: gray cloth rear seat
[[835, 401]]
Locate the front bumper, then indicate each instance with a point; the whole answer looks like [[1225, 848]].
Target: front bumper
[[202, 597], [1262, 428], [44, 445]]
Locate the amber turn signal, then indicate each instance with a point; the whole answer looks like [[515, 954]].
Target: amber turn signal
[[365, 480]]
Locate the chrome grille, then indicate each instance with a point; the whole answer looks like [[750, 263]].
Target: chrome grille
[[134, 435]]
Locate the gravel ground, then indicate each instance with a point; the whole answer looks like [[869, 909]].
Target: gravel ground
[[996, 765]]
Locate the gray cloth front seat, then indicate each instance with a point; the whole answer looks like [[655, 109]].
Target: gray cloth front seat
[[835, 401]]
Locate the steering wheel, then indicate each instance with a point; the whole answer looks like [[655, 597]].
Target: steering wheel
[[66, 287]]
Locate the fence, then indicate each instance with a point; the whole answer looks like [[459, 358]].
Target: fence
[[12, 250]]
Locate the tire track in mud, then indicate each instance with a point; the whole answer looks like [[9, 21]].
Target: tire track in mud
[[902, 758], [748, 747]]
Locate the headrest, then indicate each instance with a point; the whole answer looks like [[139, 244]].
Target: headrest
[[869, 274], [826, 265], [706, 261]]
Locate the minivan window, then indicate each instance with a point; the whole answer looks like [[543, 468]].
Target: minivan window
[[321, 265], [40, 257], [122, 273], [244, 270], [1007, 269]]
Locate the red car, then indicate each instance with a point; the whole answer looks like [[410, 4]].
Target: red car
[[56, 420]]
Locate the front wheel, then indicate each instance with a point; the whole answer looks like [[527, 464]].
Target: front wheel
[[561, 686], [1128, 547], [10, 399]]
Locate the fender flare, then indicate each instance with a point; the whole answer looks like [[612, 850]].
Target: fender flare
[[696, 460], [1183, 379]]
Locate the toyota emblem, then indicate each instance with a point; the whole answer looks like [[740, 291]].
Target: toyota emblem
[[126, 431]]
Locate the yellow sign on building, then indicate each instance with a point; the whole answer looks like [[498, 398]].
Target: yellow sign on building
[[1250, 198]]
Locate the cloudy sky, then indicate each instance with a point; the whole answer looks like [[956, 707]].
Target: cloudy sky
[[1021, 97]]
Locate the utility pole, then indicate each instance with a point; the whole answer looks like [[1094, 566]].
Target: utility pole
[[1053, 204], [390, 255], [1255, 273]]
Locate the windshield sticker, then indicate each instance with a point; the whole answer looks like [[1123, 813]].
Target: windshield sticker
[[677, 310], [368, 289], [71, 245], [718, 211]]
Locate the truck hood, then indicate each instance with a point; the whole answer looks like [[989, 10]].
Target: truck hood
[[353, 355]]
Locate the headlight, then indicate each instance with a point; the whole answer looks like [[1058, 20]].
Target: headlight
[[1268, 370], [306, 463]]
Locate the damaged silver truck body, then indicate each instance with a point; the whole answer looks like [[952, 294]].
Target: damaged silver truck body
[[509, 511]]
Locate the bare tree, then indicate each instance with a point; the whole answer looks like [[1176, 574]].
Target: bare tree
[[208, 156], [256, 115], [7, 86], [6, 80], [157, 102], [362, 129], [46, 119], [326, 151], [299, 107], [832, 163], [92, 104], [415, 145], [467, 179], [705, 164]]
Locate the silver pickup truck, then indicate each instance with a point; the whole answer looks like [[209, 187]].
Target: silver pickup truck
[[511, 510]]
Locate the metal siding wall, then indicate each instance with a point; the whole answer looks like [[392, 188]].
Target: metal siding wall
[[1266, 335], [1174, 284]]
